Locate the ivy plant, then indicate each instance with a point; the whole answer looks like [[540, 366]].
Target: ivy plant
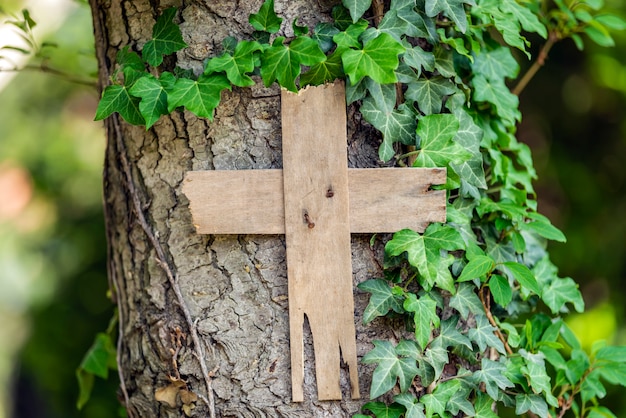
[[479, 295]]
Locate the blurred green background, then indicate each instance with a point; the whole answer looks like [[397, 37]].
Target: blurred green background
[[53, 286]]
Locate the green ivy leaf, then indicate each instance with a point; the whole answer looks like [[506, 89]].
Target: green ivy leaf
[[449, 335], [357, 8], [484, 335], [437, 148], [533, 403], [600, 412], [459, 401], [382, 299], [414, 409], [545, 229], [451, 8], [425, 316], [501, 290], [497, 93], [97, 361], [324, 72], [477, 268], [116, 98], [465, 301], [560, 292], [524, 276], [153, 96], [483, 406], [199, 96], [390, 369], [266, 19], [350, 37], [496, 64], [403, 19], [437, 358], [429, 93], [492, 374], [378, 60], [166, 39], [238, 64], [396, 125], [381, 410], [323, 34], [526, 18], [535, 371], [282, 62]]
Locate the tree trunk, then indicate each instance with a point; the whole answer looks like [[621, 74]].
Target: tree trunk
[[204, 319]]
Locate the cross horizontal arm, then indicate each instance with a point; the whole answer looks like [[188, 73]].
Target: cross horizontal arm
[[251, 201]]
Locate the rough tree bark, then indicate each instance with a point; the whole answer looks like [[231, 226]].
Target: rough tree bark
[[208, 310]]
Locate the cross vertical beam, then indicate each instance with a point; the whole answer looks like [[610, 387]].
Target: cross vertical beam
[[317, 232]]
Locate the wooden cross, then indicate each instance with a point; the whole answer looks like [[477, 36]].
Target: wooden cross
[[317, 201]]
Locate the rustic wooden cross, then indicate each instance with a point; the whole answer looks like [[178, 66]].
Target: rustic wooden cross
[[317, 201]]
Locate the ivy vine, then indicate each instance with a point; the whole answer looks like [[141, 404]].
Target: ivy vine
[[478, 292]]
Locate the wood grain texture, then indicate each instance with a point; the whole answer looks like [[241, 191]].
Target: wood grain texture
[[251, 201], [317, 235]]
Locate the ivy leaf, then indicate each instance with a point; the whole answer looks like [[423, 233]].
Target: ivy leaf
[[496, 64], [199, 96], [434, 404], [153, 98], [483, 406], [527, 19], [437, 358], [116, 98], [465, 301], [560, 292], [600, 412], [350, 37], [484, 335], [382, 299], [402, 19], [282, 62], [266, 19], [498, 94], [535, 371], [524, 276], [437, 148], [396, 125], [390, 369], [533, 403], [324, 72], [451, 8], [236, 65], [449, 335], [357, 8], [459, 401], [545, 229], [424, 316], [382, 410], [166, 39], [491, 373], [378, 60], [414, 409], [429, 93], [323, 34], [97, 362], [501, 290], [477, 268]]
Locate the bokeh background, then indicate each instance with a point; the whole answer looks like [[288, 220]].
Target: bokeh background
[[53, 286]]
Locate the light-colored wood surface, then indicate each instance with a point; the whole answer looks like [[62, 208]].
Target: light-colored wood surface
[[251, 201], [317, 236]]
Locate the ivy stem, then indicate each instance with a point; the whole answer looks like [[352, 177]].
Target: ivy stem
[[539, 62], [408, 154], [485, 301]]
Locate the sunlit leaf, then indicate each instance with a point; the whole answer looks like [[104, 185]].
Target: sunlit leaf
[[166, 39]]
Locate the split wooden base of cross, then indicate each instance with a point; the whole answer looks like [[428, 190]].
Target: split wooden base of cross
[[317, 202]]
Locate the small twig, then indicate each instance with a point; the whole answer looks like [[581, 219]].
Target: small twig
[[44, 68], [539, 62], [492, 321], [378, 11]]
